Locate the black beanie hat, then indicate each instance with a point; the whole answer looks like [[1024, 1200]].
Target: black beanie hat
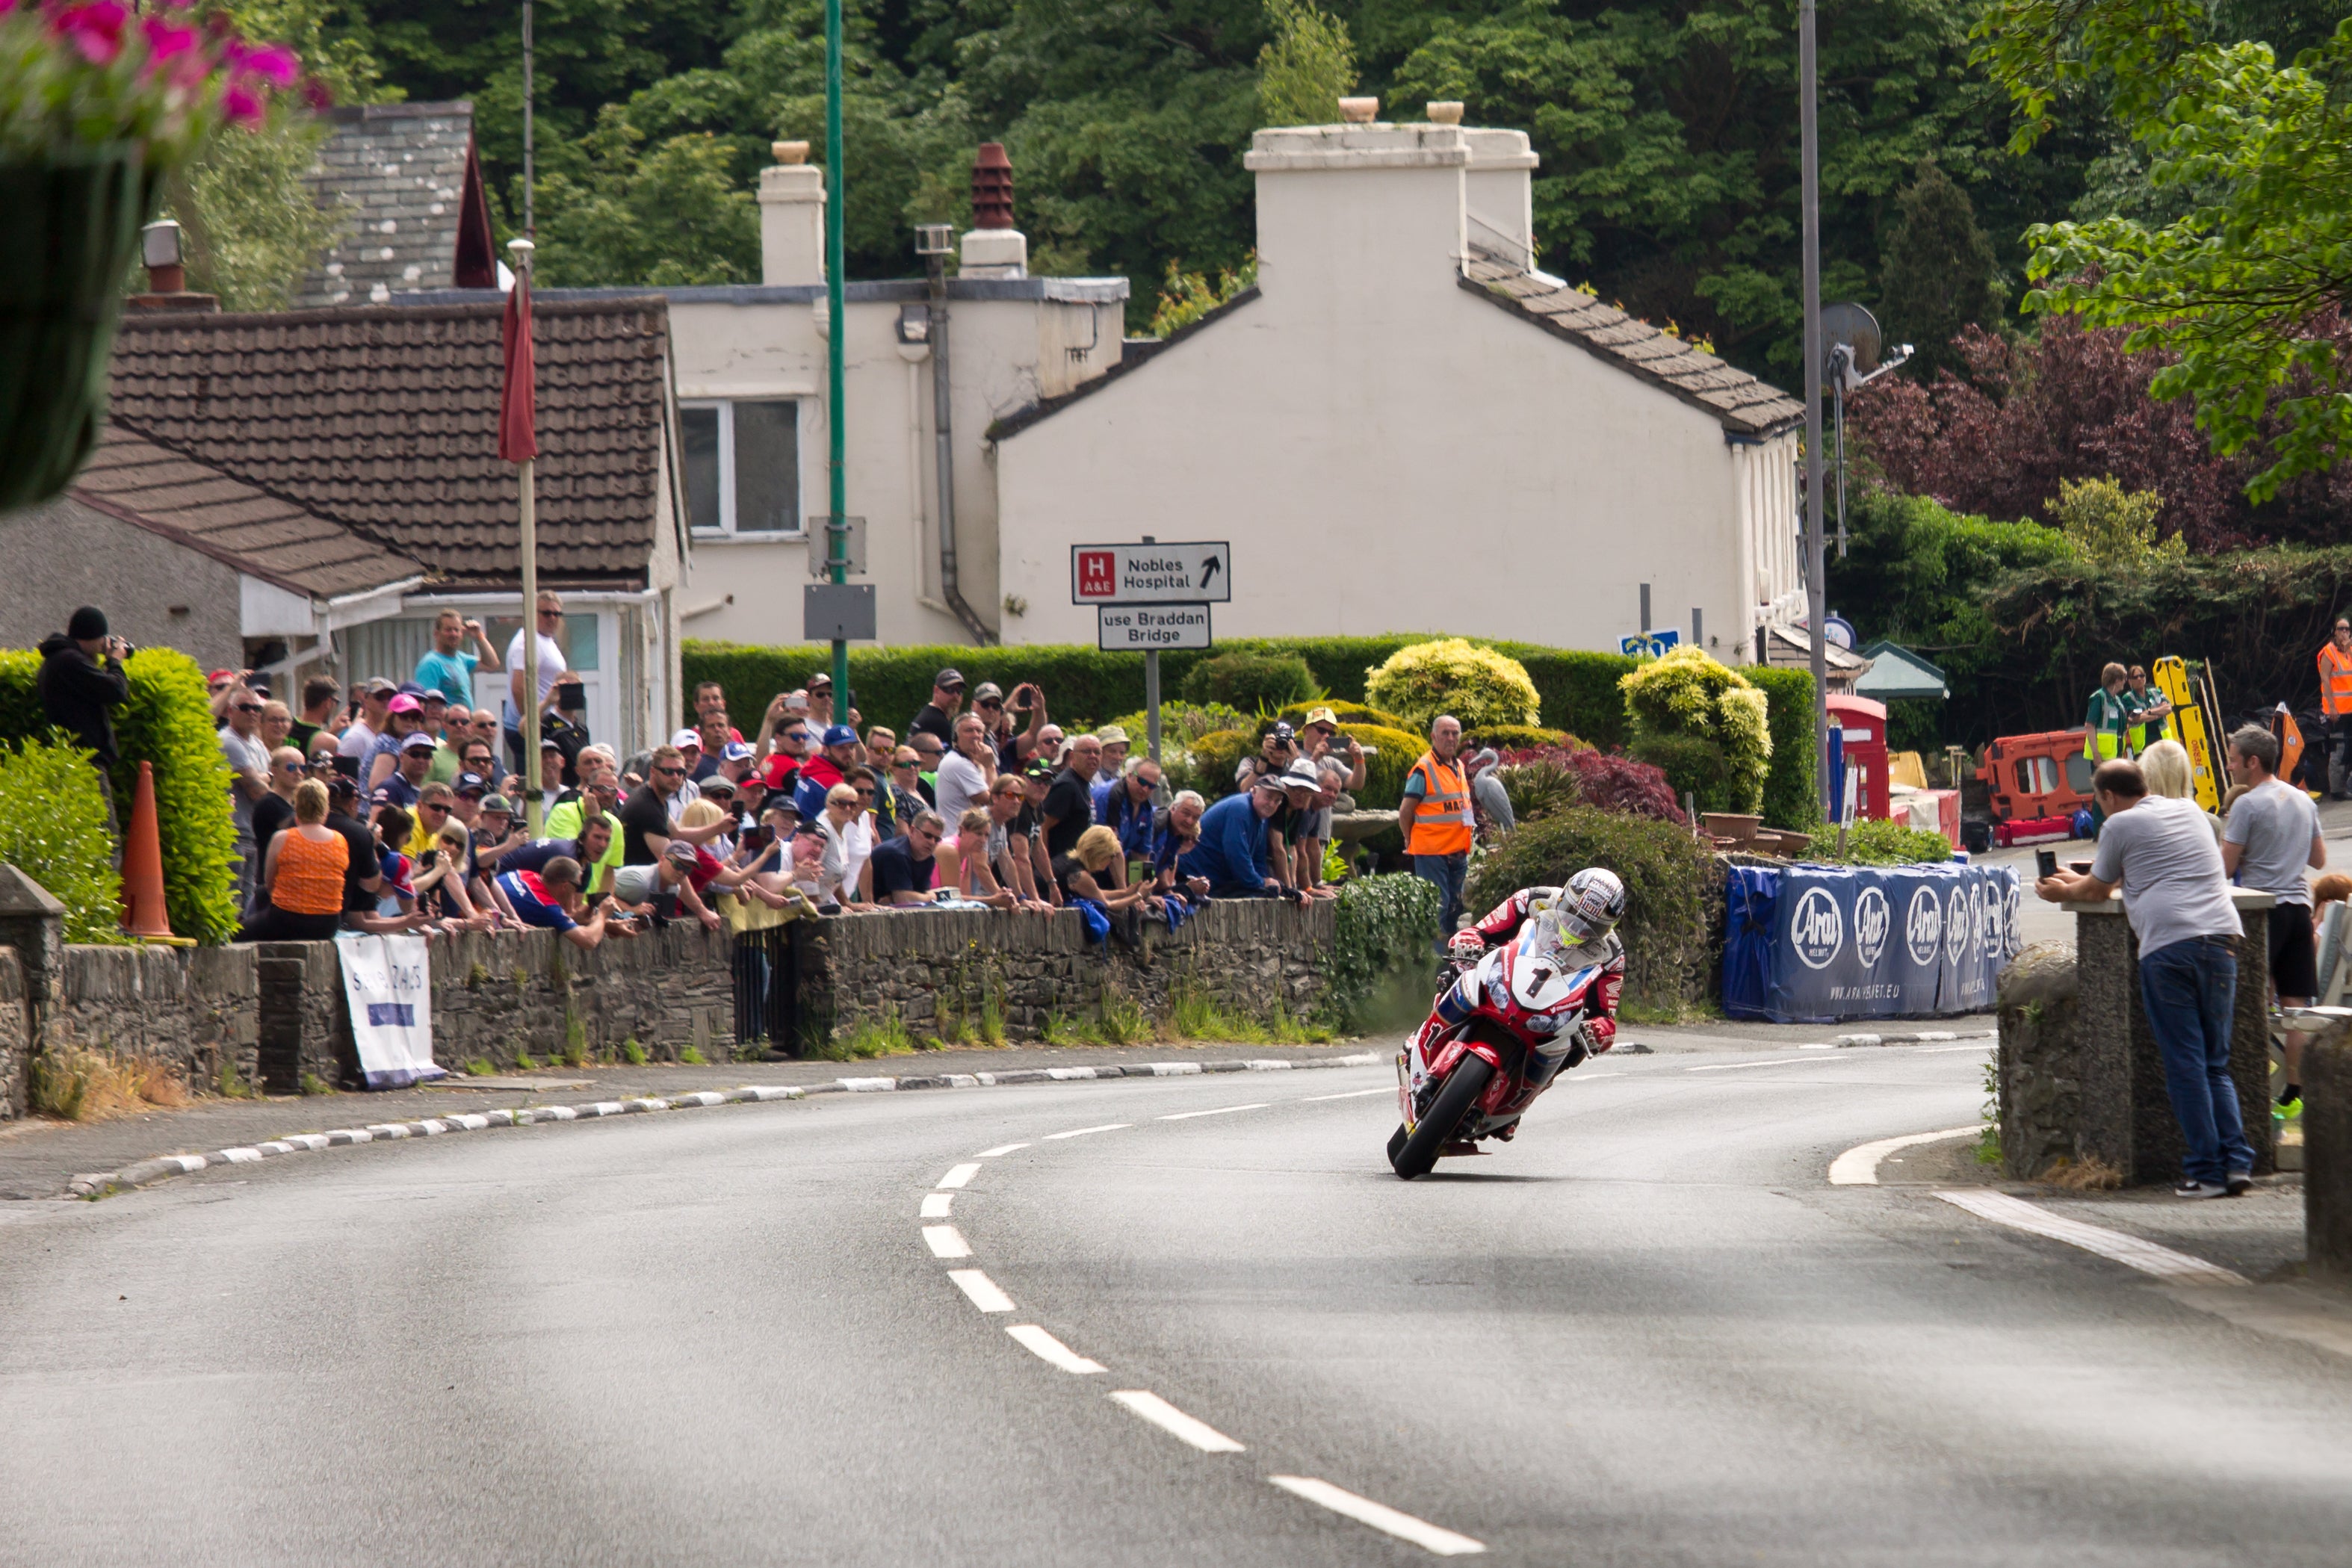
[[88, 623]]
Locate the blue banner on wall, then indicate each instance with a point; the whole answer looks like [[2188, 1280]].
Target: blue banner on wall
[[1828, 944]]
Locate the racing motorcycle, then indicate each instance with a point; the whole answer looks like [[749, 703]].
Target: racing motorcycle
[[1510, 1022]]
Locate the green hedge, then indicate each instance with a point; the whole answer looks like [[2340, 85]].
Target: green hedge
[[1382, 968], [1791, 795], [1666, 872], [168, 722], [53, 828], [1578, 689]]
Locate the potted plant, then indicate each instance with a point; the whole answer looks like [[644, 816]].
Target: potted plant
[[98, 103]]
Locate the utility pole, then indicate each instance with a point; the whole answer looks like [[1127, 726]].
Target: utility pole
[[530, 226], [836, 472], [1816, 566]]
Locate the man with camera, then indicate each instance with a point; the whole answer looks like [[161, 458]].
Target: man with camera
[[81, 681], [1013, 746]]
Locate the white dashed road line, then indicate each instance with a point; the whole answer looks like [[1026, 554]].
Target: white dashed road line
[[946, 1241], [1429, 1537], [937, 1204], [1082, 1132], [959, 1175], [2147, 1256], [1776, 1061], [1220, 1111], [1051, 1350], [1001, 1149], [1858, 1166], [1351, 1094], [982, 1289], [1175, 1423]]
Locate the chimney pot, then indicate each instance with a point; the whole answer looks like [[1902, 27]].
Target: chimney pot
[[991, 188], [1359, 111], [790, 152], [1444, 113]]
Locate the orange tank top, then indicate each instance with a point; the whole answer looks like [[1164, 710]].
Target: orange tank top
[[310, 876]]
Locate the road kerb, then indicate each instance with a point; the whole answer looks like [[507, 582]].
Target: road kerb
[[162, 1167]]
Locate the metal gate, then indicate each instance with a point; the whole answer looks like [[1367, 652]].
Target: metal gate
[[767, 988]]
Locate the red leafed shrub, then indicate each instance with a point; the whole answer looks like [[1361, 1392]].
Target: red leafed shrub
[[1609, 780]]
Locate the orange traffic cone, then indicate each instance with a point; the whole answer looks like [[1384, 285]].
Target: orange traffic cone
[[142, 865]]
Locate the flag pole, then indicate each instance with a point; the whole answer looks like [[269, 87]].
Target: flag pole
[[836, 472], [534, 811]]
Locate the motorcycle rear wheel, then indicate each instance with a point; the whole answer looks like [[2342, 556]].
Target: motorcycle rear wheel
[[1455, 1101]]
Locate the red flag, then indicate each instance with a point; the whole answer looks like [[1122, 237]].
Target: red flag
[[518, 437]]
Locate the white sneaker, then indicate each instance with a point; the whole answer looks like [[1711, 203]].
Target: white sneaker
[[2201, 1189]]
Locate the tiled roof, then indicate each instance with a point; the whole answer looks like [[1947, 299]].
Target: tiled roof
[[166, 493], [1745, 405], [384, 419], [406, 176]]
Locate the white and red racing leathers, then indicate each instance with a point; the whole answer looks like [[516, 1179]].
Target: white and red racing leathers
[[1503, 923]]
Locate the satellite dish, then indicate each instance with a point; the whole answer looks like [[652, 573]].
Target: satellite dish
[[1856, 328]]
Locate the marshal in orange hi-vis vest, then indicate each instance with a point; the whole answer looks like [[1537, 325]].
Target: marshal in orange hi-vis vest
[[2335, 681], [1442, 826]]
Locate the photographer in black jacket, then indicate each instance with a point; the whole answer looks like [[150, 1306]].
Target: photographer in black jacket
[[81, 679]]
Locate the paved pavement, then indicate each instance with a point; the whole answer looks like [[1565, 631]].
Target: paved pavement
[[1649, 1332]]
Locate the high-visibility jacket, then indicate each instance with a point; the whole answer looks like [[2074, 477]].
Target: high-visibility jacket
[[2106, 723], [2335, 680], [1442, 826]]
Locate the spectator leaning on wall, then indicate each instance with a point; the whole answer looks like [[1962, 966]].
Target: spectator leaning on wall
[[2270, 838], [2161, 854]]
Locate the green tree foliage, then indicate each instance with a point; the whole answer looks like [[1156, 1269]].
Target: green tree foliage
[[674, 215], [249, 224], [2247, 282], [1668, 129], [1189, 296], [2107, 524], [1250, 681], [1938, 272], [1306, 67]]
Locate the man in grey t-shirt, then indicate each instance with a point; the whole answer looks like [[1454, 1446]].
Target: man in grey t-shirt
[[2271, 837], [2161, 854]]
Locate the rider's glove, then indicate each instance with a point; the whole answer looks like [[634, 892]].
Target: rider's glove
[[1602, 1032], [1467, 946]]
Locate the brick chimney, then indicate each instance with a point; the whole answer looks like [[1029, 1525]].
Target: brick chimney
[[993, 248], [167, 276]]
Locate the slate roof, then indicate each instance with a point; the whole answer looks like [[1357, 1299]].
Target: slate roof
[[166, 493], [1745, 406], [407, 176], [385, 420]]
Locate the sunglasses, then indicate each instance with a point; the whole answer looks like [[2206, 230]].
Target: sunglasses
[[990, 702], [924, 836], [433, 806], [294, 767], [545, 614], [796, 734], [866, 794], [248, 707], [668, 772]]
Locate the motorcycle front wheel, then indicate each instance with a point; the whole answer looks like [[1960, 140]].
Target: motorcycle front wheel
[[1456, 1098]]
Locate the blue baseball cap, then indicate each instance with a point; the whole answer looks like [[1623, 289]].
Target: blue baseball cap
[[839, 735]]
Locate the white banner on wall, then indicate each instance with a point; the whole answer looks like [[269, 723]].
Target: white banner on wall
[[389, 984]]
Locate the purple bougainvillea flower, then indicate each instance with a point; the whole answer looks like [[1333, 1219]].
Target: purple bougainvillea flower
[[166, 40], [242, 105], [95, 28], [272, 63]]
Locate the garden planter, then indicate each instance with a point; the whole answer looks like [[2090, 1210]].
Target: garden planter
[[70, 233]]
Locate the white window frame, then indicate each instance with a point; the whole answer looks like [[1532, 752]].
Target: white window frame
[[727, 531]]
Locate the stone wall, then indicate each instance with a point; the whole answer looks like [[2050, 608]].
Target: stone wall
[[934, 970], [193, 1008], [2328, 1158], [2080, 1077], [15, 1037], [2043, 1109]]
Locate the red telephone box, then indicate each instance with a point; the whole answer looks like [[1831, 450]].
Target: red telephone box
[[1866, 749]]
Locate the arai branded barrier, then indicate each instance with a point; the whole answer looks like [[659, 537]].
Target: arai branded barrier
[[1825, 943]]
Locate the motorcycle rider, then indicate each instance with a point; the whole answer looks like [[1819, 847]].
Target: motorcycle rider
[[1575, 928]]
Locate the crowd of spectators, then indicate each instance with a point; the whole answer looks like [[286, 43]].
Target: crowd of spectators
[[401, 806]]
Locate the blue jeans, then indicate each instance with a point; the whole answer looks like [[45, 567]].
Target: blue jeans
[[2190, 991], [1445, 873]]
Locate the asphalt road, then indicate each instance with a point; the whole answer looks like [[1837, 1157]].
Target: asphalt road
[[1647, 1333]]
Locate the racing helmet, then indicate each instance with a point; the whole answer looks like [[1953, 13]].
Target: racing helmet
[[1590, 906]]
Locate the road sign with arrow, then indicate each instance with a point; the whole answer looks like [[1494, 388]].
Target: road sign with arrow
[[1197, 573]]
